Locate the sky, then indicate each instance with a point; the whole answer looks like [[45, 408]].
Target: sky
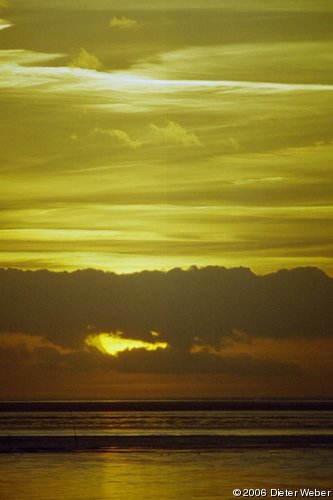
[[142, 136]]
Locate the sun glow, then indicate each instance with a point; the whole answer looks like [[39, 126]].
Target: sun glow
[[114, 343]]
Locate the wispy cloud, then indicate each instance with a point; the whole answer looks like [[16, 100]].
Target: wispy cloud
[[5, 24], [236, 5], [297, 64], [22, 57], [253, 194], [86, 60], [173, 132], [123, 22], [120, 135], [135, 90]]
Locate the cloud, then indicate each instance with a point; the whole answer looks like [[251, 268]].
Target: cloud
[[86, 60], [277, 6], [5, 24], [73, 136], [29, 349], [21, 57], [123, 22], [208, 305], [245, 66], [120, 135], [236, 5], [180, 362], [226, 329], [173, 132], [37, 351]]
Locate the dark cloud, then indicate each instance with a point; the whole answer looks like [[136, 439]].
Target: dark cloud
[[49, 358], [198, 305], [10, 355], [180, 362]]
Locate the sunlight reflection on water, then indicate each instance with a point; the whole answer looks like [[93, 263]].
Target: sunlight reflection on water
[[162, 475]]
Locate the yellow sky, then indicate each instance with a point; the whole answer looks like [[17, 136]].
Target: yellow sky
[[156, 138]]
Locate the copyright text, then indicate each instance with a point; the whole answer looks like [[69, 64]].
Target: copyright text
[[277, 492]]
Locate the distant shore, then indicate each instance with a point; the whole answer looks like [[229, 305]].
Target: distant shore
[[20, 444], [170, 405]]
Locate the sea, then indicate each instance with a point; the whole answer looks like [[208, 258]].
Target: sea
[[208, 449]]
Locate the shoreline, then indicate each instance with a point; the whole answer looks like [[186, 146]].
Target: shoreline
[[26, 444], [168, 405]]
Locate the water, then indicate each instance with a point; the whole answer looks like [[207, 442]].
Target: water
[[161, 473], [143, 423], [158, 475]]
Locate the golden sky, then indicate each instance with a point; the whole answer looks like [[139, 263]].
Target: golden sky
[[173, 134], [152, 135]]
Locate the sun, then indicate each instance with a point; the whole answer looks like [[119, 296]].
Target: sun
[[114, 343]]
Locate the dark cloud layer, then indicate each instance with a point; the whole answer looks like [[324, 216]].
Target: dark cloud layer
[[178, 362], [164, 362], [213, 319], [209, 306]]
